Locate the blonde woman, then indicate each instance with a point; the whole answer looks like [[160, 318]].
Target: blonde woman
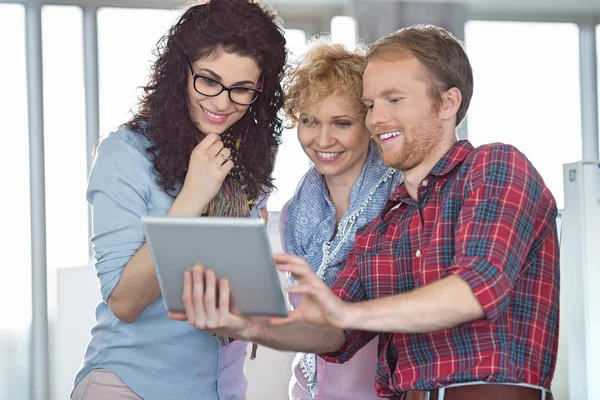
[[345, 189]]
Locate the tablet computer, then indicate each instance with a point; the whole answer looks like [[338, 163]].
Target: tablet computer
[[237, 248]]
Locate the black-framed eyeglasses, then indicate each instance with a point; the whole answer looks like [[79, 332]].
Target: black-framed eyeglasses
[[241, 95]]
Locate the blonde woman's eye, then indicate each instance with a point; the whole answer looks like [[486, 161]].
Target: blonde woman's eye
[[307, 121]]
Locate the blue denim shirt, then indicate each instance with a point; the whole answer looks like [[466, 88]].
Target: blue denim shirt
[[156, 357]]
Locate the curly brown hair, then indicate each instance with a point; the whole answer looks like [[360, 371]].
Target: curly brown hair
[[327, 68], [235, 26]]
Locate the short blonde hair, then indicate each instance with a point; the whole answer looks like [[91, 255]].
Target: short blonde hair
[[326, 69]]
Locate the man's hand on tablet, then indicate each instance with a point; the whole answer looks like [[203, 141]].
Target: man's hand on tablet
[[207, 307], [313, 327]]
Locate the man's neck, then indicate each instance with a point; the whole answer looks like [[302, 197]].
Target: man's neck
[[414, 177]]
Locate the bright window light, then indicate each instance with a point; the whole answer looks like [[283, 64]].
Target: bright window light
[[598, 75], [126, 41], [291, 162], [527, 92], [343, 31], [15, 286], [65, 139], [296, 42], [15, 231]]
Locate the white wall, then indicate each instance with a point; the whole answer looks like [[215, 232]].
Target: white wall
[[78, 293]]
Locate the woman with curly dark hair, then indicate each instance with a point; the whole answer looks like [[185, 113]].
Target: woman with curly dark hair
[[202, 143]]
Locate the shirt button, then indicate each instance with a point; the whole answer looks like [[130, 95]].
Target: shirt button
[[424, 183], [418, 253]]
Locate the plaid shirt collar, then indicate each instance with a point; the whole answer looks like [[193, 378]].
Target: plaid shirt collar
[[454, 157]]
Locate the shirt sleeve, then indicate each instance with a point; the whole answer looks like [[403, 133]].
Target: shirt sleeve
[[118, 192], [261, 201], [282, 218], [496, 228], [349, 288]]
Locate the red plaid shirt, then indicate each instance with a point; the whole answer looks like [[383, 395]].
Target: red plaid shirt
[[485, 215]]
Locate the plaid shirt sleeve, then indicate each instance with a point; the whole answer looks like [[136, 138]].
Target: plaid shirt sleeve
[[349, 288], [495, 228]]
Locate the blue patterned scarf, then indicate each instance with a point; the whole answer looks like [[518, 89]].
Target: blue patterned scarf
[[311, 223]]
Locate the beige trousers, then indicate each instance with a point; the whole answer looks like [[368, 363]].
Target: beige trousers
[[101, 384]]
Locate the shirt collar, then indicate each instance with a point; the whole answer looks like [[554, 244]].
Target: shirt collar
[[455, 156]]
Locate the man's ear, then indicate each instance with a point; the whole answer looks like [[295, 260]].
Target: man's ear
[[451, 100]]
